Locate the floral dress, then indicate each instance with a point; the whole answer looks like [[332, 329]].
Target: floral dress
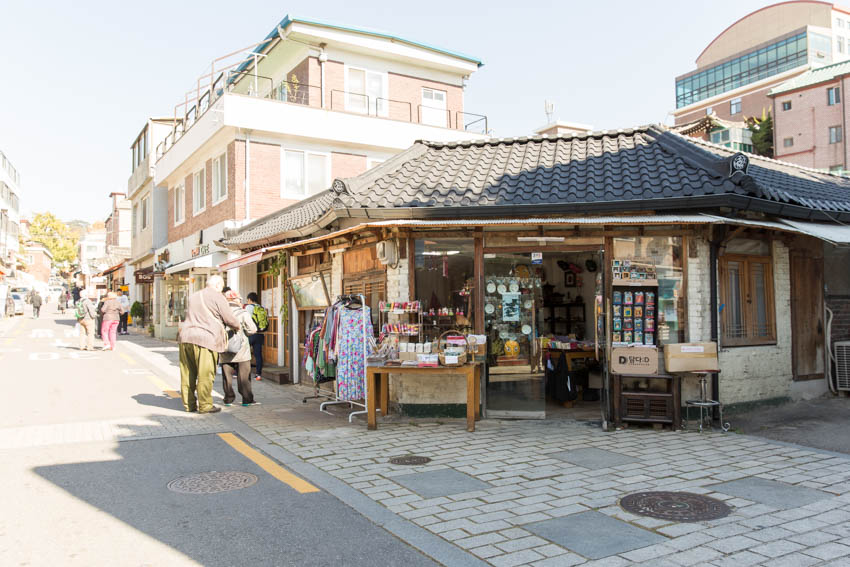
[[351, 368]]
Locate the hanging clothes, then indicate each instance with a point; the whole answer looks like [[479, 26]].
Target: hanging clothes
[[351, 352]]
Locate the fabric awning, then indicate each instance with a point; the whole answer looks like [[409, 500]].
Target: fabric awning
[[244, 260], [208, 261], [832, 233]]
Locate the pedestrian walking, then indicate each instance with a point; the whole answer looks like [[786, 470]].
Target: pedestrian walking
[[261, 320], [125, 303], [112, 311], [201, 338], [36, 304], [75, 295], [63, 302], [237, 365], [86, 314]]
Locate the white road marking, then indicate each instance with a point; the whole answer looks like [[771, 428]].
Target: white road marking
[[83, 355], [44, 356]]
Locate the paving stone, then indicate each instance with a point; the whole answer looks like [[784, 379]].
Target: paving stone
[[444, 482], [517, 558], [733, 544], [828, 551], [520, 544], [486, 551], [594, 535], [479, 540], [742, 559], [565, 560], [777, 548], [794, 560], [770, 492], [592, 458]]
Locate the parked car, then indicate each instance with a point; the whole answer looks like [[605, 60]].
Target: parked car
[[19, 303]]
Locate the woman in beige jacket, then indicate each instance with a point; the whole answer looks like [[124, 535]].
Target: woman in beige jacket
[[238, 365]]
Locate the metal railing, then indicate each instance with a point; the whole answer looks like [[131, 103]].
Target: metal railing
[[294, 92]]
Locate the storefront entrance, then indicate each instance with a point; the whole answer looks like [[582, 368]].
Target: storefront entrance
[[544, 352]]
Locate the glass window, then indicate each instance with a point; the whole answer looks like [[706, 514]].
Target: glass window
[[666, 253], [724, 135], [833, 96], [305, 173], [786, 105], [834, 134], [839, 44], [788, 142], [176, 295], [356, 98], [199, 191], [735, 106], [434, 108], [294, 176], [444, 282], [219, 178], [134, 222], [179, 204], [317, 173], [746, 309], [144, 211]]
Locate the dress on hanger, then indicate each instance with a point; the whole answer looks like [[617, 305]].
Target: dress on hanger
[[350, 359]]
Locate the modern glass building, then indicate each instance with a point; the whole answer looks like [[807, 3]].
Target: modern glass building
[[759, 64]]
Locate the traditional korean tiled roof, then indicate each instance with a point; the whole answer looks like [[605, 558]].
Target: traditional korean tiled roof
[[642, 168], [812, 77]]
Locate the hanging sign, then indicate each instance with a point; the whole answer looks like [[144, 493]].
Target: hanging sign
[[537, 257]]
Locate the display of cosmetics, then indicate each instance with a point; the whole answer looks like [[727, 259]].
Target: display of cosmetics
[[400, 328], [399, 306]]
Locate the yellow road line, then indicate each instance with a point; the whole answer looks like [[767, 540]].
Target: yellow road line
[[127, 358], [268, 465], [163, 386]]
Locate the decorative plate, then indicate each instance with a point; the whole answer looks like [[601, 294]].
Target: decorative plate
[[502, 288], [489, 308], [526, 329], [514, 287], [491, 287], [528, 304]]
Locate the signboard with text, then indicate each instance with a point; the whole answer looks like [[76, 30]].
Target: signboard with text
[[634, 360]]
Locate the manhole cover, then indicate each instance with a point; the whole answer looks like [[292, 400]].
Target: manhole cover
[[410, 460], [675, 506], [212, 482]]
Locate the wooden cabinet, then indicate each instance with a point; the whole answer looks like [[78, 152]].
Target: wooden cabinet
[[660, 403]]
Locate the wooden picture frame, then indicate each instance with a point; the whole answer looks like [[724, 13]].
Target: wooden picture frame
[[569, 279], [310, 291]]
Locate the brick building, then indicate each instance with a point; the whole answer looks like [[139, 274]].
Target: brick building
[[757, 53], [810, 115], [275, 124], [39, 261]]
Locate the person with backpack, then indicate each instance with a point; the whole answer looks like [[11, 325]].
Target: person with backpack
[[236, 359], [86, 314], [261, 320]]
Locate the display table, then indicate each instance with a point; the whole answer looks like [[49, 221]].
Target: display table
[[644, 406], [571, 355], [377, 383]]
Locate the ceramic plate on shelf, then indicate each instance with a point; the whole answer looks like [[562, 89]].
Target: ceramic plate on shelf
[[526, 329], [491, 287], [528, 304], [514, 287], [502, 288], [489, 309]]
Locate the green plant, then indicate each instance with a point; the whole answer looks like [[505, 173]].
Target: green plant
[[279, 266], [137, 311], [762, 130]]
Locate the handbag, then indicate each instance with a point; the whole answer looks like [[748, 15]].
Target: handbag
[[234, 341]]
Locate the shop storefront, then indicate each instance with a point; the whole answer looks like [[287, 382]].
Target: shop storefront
[[144, 278]]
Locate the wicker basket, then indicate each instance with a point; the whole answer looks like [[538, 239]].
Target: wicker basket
[[442, 346]]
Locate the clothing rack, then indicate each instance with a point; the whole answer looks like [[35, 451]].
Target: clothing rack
[[319, 392], [334, 397]]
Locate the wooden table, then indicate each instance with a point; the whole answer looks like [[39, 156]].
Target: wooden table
[[571, 355], [377, 382]]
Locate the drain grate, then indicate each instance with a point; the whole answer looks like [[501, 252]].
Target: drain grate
[[410, 460], [675, 506], [212, 482]]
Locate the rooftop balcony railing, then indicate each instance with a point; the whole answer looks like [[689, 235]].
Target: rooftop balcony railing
[[294, 92]]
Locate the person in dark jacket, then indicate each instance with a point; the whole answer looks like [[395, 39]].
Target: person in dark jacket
[[237, 365], [36, 305]]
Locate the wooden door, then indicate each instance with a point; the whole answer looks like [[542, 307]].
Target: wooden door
[[807, 325], [265, 281]]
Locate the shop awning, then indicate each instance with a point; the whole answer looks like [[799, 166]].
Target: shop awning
[[208, 261], [832, 233], [244, 260]]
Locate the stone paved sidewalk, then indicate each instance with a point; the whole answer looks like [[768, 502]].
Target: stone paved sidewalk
[[514, 493]]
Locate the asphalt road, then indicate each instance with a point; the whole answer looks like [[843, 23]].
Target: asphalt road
[[73, 495]]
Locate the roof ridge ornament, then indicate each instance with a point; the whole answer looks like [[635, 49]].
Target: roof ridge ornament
[[738, 163], [338, 186]]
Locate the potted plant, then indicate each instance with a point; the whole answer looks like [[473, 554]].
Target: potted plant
[[137, 312], [151, 330]]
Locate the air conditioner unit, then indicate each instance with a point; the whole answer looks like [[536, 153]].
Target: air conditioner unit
[[842, 365], [387, 251]]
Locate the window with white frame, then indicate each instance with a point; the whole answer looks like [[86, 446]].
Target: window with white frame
[[145, 212], [219, 178], [304, 173], [839, 44], [434, 111], [179, 204], [834, 134], [366, 91], [135, 223], [199, 191], [833, 96]]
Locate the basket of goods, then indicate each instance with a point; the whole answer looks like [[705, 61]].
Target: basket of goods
[[452, 346]]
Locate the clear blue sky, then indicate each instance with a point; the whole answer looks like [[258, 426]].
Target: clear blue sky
[[80, 78]]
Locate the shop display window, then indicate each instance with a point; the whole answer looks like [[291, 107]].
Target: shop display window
[[176, 296], [664, 256], [444, 284]]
